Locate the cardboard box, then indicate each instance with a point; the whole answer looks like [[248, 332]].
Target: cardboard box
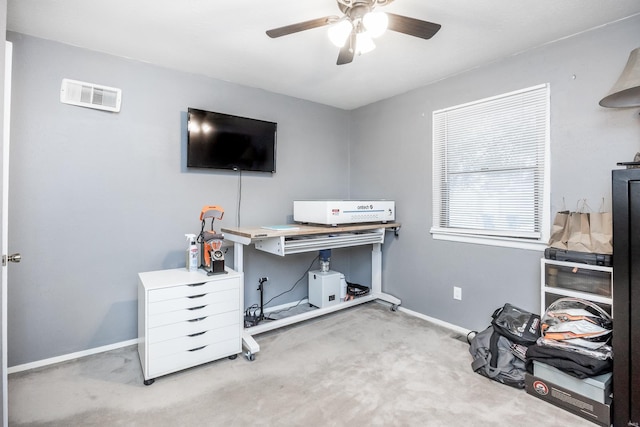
[[597, 388], [571, 401]]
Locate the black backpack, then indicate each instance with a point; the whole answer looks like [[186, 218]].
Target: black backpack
[[499, 352]]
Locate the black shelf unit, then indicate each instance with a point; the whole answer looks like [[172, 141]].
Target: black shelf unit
[[626, 296]]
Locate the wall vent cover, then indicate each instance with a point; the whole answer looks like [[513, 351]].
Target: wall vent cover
[[90, 95]]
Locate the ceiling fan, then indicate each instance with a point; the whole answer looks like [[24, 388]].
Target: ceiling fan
[[353, 32]]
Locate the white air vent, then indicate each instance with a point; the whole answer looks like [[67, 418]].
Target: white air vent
[[90, 95]]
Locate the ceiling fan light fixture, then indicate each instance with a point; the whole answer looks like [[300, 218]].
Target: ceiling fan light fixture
[[353, 32], [339, 32], [376, 23], [364, 43]]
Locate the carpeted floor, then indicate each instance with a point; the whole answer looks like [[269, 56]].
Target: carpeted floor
[[365, 366]]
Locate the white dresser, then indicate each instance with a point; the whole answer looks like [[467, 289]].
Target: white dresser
[[187, 318]]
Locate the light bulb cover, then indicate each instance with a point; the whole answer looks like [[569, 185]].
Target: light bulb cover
[[364, 43], [376, 23], [339, 32]]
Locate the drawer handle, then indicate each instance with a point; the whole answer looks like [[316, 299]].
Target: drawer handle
[[196, 284], [200, 307], [196, 296], [199, 319], [198, 348], [198, 334]]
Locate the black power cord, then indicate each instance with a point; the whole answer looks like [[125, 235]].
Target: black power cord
[[255, 313], [295, 284]]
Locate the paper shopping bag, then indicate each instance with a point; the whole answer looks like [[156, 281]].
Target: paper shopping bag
[[559, 231], [601, 227], [579, 232]]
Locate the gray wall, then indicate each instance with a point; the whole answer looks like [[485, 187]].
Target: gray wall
[[391, 157], [97, 197]]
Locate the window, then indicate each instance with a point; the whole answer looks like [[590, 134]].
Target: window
[[490, 178]]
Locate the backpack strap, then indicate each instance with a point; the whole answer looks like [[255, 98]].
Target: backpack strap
[[492, 370], [493, 349], [470, 336], [478, 363]]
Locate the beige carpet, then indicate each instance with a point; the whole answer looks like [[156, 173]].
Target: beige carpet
[[365, 366]]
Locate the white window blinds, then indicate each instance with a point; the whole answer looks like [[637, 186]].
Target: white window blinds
[[489, 165]]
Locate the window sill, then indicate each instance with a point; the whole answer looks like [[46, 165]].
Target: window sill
[[505, 242]]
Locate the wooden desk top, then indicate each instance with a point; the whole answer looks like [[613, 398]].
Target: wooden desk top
[[257, 233]]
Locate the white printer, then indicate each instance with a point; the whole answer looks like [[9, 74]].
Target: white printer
[[334, 212]]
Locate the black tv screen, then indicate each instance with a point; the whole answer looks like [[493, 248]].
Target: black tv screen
[[224, 141]]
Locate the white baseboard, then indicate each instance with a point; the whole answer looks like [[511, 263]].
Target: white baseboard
[[91, 351], [450, 326], [70, 356], [285, 306]]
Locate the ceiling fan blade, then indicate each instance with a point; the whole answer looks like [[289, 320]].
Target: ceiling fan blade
[[301, 26], [412, 26], [346, 55], [348, 50]]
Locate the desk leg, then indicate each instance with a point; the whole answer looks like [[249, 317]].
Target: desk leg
[[250, 346], [238, 258], [248, 343], [376, 268], [376, 278]]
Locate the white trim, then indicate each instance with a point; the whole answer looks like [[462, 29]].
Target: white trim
[[537, 245], [6, 143], [435, 321], [96, 350], [70, 356], [285, 306]]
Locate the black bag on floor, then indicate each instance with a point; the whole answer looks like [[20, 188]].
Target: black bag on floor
[[498, 358], [516, 324]]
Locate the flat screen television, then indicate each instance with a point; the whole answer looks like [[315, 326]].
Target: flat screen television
[[224, 141]]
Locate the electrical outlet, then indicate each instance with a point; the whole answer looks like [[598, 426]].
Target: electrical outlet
[[457, 293]]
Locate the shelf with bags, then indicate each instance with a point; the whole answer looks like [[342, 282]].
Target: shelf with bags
[[569, 279]]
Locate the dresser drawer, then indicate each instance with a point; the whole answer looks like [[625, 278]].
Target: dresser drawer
[[193, 341], [193, 326], [192, 289], [194, 301], [185, 359], [197, 312]]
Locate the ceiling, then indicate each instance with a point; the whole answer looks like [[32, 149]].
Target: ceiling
[[226, 39]]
